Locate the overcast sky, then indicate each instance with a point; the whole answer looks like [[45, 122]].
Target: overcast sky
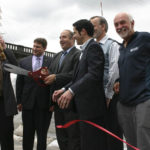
[[24, 20]]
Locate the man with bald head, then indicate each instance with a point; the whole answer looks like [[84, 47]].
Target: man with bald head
[[61, 70], [134, 69]]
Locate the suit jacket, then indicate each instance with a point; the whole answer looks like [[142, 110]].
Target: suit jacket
[[87, 83], [8, 93], [28, 92], [65, 72]]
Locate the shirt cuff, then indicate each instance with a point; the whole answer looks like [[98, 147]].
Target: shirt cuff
[[71, 91], [109, 95], [63, 89]]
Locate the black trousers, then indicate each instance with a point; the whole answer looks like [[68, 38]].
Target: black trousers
[[69, 138], [91, 137], [38, 121], [113, 126], [6, 129]]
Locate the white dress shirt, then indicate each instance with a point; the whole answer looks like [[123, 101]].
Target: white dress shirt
[[113, 72], [34, 61]]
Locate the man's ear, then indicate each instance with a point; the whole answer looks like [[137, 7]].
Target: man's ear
[[103, 26], [83, 31], [132, 23]]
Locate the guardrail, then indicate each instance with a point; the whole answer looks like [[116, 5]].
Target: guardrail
[[22, 50]]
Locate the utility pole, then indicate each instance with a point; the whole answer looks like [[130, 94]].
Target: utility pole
[[0, 16], [1, 33], [101, 7]]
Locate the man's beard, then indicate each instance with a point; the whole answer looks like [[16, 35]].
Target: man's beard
[[124, 32], [97, 34]]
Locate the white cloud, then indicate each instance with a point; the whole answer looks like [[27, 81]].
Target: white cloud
[[23, 21]]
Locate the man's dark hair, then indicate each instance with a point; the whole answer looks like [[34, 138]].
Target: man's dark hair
[[84, 24], [41, 41], [102, 21]]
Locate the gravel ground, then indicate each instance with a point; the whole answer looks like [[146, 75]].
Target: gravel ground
[[51, 139]]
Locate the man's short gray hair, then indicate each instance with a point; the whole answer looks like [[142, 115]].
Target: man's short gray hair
[[102, 21]]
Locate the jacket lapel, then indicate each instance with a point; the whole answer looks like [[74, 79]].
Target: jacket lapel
[[29, 62], [57, 69], [83, 55], [66, 58], [44, 61]]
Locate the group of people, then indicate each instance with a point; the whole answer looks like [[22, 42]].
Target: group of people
[[106, 82]]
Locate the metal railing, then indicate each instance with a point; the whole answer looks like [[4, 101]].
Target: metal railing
[[25, 50]]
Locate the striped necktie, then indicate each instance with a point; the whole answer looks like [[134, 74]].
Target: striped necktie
[[37, 64]]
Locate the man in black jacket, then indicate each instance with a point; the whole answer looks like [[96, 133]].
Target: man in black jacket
[[7, 99], [86, 88], [33, 99], [61, 70]]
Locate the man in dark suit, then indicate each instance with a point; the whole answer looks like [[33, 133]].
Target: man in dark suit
[[8, 107], [33, 99], [86, 88], [61, 74]]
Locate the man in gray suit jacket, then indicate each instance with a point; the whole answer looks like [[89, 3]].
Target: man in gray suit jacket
[[33, 99], [7, 100], [86, 89], [61, 70]]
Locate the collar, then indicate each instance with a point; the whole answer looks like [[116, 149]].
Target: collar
[[68, 50], [38, 57], [103, 40], [132, 38], [85, 44], [35, 57]]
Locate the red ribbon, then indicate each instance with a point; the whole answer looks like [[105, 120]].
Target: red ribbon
[[97, 126]]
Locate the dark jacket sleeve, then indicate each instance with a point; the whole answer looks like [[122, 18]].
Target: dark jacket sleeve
[[9, 96], [94, 75], [19, 86], [10, 57]]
